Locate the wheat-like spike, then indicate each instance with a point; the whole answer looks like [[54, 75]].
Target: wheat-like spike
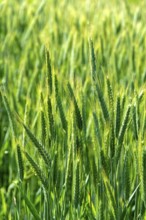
[[62, 115], [111, 104], [77, 187], [92, 60], [79, 146], [97, 129], [49, 72], [84, 115], [20, 163], [43, 129], [51, 118], [31, 207], [124, 125], [112, 140], [77, 111], [38, 145], [102, 103], [122, 133], [60, 107], [123, 102], [118, 117], [37, 170], [56, 86], [111, 98], [135, 121], [144, 176]]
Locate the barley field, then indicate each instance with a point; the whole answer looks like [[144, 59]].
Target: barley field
[[72, 110]]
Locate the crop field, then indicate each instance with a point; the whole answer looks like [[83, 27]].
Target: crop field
[[72, 110]]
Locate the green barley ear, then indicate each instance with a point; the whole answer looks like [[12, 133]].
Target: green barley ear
[[122, 132], [135, 121], [56, 86], [38, 145], [102, 104], [37, 170], [49, 72], [123, 102], [92, 60], [133, 59], [111, 105], [31, 207], [124, 125], [112, 140], [77, 111], [144, 176], [77, 187], [60, 107], [51, 118], [97, 129], [84, 115], [118, 117], [43, 127], [20, 163], [110, 96]]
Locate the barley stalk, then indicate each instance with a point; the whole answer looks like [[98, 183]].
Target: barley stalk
[[77, 187]]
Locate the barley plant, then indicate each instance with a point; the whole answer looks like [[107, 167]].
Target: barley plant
[[72, 110]]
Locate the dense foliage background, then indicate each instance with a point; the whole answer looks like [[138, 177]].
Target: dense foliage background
[[72, 109]]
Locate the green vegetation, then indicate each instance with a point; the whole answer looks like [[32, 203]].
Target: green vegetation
[[72, 110]]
